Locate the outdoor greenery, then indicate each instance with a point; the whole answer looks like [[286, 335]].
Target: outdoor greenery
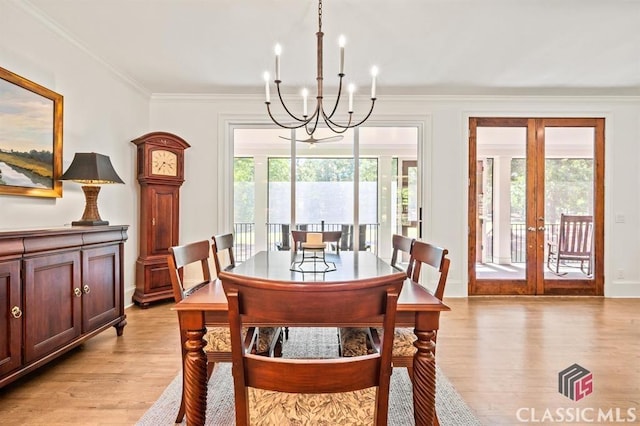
[[243, 189], [568, 188]]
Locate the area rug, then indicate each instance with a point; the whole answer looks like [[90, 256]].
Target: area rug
[[310, 343]]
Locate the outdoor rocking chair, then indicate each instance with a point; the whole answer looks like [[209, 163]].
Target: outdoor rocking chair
[[574, 243]]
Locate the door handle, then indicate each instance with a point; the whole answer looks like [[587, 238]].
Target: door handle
[[531, 229]]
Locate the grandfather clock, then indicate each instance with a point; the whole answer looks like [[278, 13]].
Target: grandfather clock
[[160, 174]]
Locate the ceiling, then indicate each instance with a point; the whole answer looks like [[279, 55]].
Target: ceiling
[[441, 47]]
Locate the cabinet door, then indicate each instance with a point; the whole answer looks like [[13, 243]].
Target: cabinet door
[[52, 302], [100, 286], [10, 316]]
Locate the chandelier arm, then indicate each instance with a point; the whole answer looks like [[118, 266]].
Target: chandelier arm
[[349, 125], [335, 127], [335, 106], [373, 102], [293, 126], [316, 114], [304, 121]]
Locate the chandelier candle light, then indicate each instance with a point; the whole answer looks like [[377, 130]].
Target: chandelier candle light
[[310, 122]]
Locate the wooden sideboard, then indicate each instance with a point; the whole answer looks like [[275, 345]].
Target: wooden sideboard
[[58, 288]]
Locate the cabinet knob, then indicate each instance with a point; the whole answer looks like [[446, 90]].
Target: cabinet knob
[[86, 289], [77, 292], [16, 312]]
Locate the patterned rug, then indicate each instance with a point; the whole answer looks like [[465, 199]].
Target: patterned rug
[[310, 343]]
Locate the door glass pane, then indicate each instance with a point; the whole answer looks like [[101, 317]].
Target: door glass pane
[[261, 197], [368, 207], [243, 205], [279, 203], [569, 195], [502, 196]]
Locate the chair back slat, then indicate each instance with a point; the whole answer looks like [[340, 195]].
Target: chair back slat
[[423, 253], [575, 235], [401, 244], [222, 244], [182, 256]]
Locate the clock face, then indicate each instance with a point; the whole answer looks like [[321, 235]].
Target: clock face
[[164, 163]]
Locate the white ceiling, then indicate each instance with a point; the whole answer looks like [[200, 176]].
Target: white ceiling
[[420, 46]]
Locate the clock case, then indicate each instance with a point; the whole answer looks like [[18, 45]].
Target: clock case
[[159, 216]]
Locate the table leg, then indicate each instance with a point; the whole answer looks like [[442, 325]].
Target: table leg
[[195, 377], [424, 379]]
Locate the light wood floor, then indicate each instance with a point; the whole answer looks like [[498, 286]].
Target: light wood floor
[[501, 354]]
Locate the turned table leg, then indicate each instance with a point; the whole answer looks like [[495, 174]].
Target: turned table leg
[[424, 379]]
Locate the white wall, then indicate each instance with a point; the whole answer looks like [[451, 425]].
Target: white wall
[[102, 113], [202, 121]]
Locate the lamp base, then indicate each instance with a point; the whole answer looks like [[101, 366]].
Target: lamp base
[[91, 217], [89, 223]]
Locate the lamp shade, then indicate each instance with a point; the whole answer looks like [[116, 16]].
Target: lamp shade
[[91, 168]]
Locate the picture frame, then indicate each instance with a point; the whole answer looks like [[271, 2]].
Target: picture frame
[[30, 138]]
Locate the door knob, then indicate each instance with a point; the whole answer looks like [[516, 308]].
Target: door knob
[[531, 229]]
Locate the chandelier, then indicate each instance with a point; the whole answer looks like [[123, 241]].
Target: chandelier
[[310, 121]]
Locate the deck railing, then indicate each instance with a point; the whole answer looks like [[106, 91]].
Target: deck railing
[[519, 241], [244, 233], [243, 240]]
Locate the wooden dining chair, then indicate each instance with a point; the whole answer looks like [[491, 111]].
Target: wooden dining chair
[[277, 391], [401, 246], [354, 340], [422, 254], [223, 249], [195, 256]]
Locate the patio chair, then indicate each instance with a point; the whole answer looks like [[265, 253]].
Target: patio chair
[[218, 348], [283, 244], [573, 243]]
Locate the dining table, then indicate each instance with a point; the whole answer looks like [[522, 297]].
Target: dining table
[[417, 308]]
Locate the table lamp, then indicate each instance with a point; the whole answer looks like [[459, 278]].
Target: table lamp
[[91, 169]]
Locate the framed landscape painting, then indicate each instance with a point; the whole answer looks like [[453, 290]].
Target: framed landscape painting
[[30, 138]]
